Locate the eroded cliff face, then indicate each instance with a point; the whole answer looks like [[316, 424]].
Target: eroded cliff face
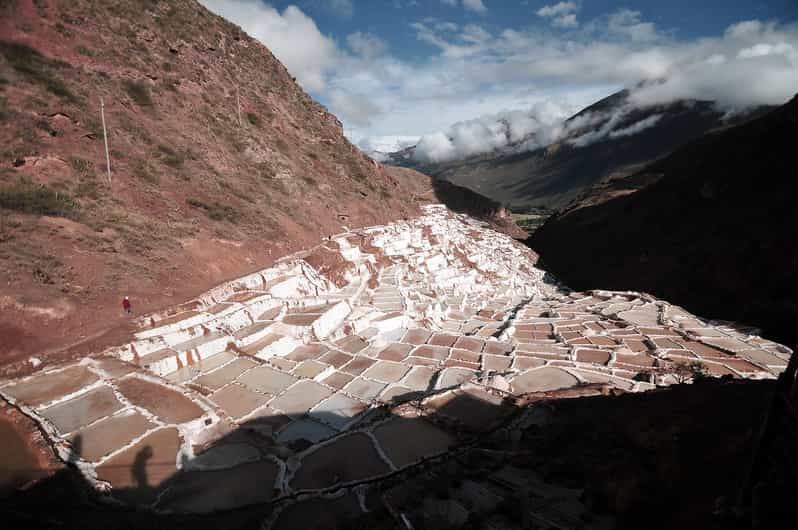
[[711, 227], [220, 163]]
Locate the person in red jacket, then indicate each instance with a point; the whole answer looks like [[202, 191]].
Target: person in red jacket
[[127, 306]]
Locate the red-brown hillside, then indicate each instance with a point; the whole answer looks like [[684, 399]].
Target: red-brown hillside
[[200, 191]]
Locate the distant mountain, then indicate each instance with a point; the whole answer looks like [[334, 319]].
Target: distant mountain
[[713, 226], [609, 138]]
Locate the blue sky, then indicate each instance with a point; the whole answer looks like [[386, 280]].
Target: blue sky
[[688, 19], [409, 68]]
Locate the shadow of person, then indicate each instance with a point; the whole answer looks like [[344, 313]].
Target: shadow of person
[[77, 449], [139, 469]]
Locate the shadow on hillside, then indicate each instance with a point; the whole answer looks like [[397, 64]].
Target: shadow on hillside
[[464, 200], [679, 453]]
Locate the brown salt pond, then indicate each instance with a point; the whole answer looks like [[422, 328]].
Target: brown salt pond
[[300, 397], [474, 408], [267, 380], [137, 472], [237, 400], [407, 440], [170, 406], [318, 514], [351, 457], [223, 489], [82, 410], [100, 439], [542, 380], [42, 389], [227, 373]]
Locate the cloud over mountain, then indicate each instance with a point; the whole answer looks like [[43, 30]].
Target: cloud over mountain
[[474, 68]]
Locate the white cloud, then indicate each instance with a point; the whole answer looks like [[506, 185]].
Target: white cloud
[[435, 147], [511, 131], [637, 126], [378, 146], [342, 8], [475, 70], [565, 21], [291, 35], [469, 5], [628, 23], [474, 5], [754, 63], [559, 9], [562, 14], [355, 108], [366, 45]]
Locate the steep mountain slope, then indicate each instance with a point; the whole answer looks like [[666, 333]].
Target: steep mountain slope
[[713, 227], [610, 137], [220, 164]]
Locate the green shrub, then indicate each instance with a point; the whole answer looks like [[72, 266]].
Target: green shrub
[[170, 157], [145, 172], [82, 50], [253, 119], [31, 198], [88, 189], [138, 92], [215, 210], [82, 166], [31, 64]]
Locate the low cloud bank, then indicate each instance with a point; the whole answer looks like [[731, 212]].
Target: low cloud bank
[[515, 130]]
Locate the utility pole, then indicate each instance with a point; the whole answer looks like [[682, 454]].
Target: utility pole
[[105, 139], [238, 105]]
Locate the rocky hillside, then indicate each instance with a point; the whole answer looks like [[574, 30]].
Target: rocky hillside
[[712, 226], [608, 139], [220, 163]]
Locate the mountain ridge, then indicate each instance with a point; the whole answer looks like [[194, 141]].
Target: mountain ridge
[[610, 136], [710, 226]]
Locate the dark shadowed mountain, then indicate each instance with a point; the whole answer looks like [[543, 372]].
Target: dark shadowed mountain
[[609, 138], [713, 226]]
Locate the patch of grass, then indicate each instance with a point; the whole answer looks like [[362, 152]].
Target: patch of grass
[[4, 112], [170, 84], [36, 68], [28, 197], [44, 125], [87, 189], [82, 167], [95, 127], [146, 172], [253, 119], [82, 50], [170, 157], [138, 92], [216, 210]]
